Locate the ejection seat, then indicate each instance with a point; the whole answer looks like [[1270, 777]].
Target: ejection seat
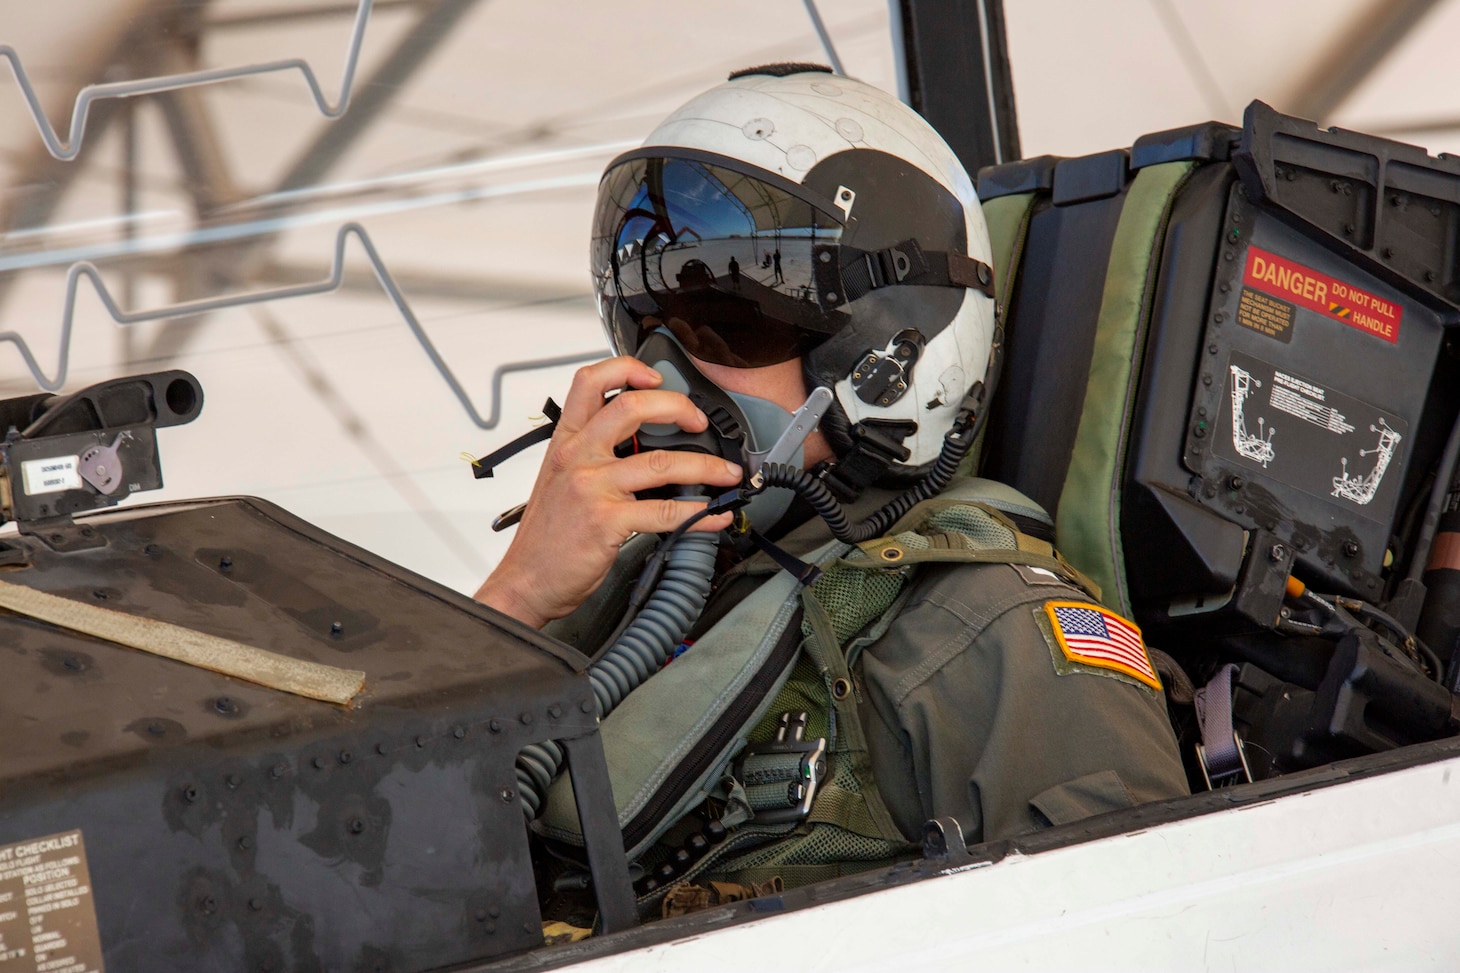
[[1132, 312]]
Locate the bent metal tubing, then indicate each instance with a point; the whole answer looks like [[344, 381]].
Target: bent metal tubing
[[68, 150], [88, 270]]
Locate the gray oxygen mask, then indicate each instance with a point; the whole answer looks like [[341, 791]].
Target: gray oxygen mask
[[743, 428]]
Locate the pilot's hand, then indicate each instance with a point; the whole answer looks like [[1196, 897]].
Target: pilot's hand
[[583, 507]]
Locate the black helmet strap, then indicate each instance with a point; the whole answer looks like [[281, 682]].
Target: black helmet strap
[[876, 446], [908, 263]]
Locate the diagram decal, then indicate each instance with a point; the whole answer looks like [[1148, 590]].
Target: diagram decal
[[1257, 448], [1311, 436]]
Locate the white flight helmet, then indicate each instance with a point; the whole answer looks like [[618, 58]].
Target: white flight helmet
[[792, 212]]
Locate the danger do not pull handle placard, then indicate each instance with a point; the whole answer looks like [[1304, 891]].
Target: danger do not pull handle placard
[[1329, 296]]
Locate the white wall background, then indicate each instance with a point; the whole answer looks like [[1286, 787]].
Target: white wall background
[[326, 404]]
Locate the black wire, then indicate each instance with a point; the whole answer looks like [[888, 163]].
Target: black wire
[[1444, 478], [1437, 671]]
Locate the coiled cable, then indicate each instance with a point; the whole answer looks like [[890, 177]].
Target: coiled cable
[[956, 444], [688, 565]]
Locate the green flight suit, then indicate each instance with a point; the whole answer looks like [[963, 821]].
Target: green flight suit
[[976, 714], [970, 710]]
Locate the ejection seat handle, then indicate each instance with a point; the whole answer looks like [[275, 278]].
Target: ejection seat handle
[[602, 839]]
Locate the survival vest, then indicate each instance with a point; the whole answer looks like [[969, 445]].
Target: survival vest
[[761, 715]]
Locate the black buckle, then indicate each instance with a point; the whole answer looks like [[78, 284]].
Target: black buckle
[[790, 762]]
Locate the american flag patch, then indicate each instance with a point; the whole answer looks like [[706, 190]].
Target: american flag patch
[[1092, 636]]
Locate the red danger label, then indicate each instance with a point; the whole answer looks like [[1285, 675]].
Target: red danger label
[[1328, 296]]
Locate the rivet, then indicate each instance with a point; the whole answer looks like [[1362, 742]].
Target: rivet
[[1219, 317], [150, 550], [1206, 379], [355, 826], [245, 843], [585, 705], [495, 911], [256, 905], [318, 763], [1430, 275], [225, 705], [1202, 411], [1224, 287], [1235, 482], [225, 562], [190, 794], [1209, 491], [494, 725], [207, 905], [459, 733], [346, 756], [1350, 549], [233, 780], [1388, 252], [508, 795], [525, 719], [481, 915], [380, 749], [1348, 229], [420, 740], [1212, 348], [555, 711], [831, 295], [490, 928], [1240, 508], [336, 628], [277, 771]]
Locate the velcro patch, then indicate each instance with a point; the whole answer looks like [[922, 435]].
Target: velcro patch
[[1091, 636]]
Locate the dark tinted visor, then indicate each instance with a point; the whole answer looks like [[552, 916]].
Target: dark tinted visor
[[736, 265]]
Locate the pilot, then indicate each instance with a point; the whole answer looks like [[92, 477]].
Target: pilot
[[992, 689]]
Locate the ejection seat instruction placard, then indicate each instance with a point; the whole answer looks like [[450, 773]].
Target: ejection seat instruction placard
[[47, 919], [1312, 437]]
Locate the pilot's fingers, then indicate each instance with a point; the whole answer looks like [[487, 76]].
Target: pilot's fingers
[[622, 416], [660, 516], [661, 467], [592, 382]]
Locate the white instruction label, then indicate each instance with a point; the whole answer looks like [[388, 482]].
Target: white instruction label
[[47, 916], [50, 475]]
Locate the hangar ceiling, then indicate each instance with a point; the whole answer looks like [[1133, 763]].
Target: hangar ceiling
[[364, 183]]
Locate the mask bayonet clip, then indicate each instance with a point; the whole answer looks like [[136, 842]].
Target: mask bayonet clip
[[803, 422]]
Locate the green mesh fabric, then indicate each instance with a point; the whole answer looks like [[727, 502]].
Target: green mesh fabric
[[804, 690], [977, 525], [854, 598], [821, 844]]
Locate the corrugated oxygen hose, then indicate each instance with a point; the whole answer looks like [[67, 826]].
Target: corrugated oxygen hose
[[636, 655]]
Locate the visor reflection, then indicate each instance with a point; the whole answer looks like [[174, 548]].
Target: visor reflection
[[741, 264]]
